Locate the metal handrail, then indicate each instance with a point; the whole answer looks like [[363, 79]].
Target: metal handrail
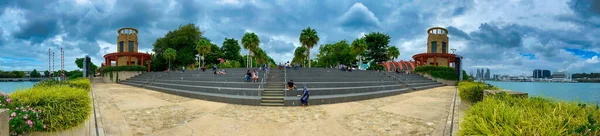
[[284, 80]]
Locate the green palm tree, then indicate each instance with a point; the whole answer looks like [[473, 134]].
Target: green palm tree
[[250, 42], [300, 55], [393, 52], [170, 54], [203, 48], [309, 38], [358, 47]]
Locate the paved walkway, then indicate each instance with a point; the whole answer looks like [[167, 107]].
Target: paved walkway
[[126, 110]]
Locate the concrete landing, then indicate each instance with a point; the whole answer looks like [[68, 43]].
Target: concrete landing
[[416, 113]]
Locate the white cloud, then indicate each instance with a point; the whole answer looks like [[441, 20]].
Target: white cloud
[[593, 60]]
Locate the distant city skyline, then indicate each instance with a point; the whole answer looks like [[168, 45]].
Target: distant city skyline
[[506, 37]]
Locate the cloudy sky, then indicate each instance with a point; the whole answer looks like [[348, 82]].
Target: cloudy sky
[[506, 36]]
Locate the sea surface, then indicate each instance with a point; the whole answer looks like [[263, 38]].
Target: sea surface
[[586, 92], [8, 87]]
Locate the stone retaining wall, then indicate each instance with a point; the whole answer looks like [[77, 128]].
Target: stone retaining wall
[[443, 81], [4, 131], [123, 75]]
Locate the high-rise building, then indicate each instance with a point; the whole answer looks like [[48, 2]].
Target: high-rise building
[[546, 74], [537, 73], [488, 74]]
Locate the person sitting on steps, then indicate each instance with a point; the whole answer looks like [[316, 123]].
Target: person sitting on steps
[[254, 76], [290, 85], [203, 68], [248, 76]]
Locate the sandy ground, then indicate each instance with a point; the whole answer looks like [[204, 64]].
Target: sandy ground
[[127, 110]]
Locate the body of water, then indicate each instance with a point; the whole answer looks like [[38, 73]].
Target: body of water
[[8, 87], [588, 92]]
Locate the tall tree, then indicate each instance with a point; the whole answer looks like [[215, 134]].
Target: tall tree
[[261, 56], [309, 38], [183, 40], [47, 73], [300, 55], [250, 42], [35, 73], [377, 46], [393, 52], [170, 54], [231, 49], [334, 54], [203, 48], [358, 47]]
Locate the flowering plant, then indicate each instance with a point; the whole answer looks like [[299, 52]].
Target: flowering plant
[[21, 118]]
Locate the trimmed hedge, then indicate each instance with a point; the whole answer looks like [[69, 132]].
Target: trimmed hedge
[[472, 91], [83, 83], [63, 104], [448, 73], [501, 114], [63, 107], [122, 68]]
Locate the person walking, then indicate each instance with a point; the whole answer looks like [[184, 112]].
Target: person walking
[[304, 98]]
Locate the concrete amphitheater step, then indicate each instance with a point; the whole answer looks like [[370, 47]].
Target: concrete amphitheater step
[[271, 104]]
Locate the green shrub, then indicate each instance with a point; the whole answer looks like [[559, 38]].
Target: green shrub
[[465, 76], [46, 83], [375, 66], [229, 64], [122, 68], [22, 119], [472, 91], [82, 83], [501, 114], [448, 73], [62, 107], [75, 75]]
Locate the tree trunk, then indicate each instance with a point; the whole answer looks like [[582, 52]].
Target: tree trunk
[[308, 57], [169, 66]]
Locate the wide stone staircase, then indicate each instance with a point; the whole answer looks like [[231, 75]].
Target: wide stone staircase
[[229, 88], [414, 81], [326, 85], [273, 93]]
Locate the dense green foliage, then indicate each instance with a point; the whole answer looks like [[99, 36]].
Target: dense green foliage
[[377, 46], [309, 38], [203, 46], [229, 64], [79, 63], [12, 74], [183, 40], [21, 119], [375, 66], [502, 114], [251, 43], [300, 55], [393, 52], [35, 73], [83, 83], [448, 73], [231, 50], [123, 68], [60, 104], [331, 55], [170, 54], [584, 75], [465, 76], [473, 91]]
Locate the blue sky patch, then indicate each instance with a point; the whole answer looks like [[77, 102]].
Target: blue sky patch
[[528, 56], [582, 53]]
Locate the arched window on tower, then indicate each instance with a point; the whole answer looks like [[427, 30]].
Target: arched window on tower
[[444, 47], [434, 47], [121, 46], [130, 46]]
